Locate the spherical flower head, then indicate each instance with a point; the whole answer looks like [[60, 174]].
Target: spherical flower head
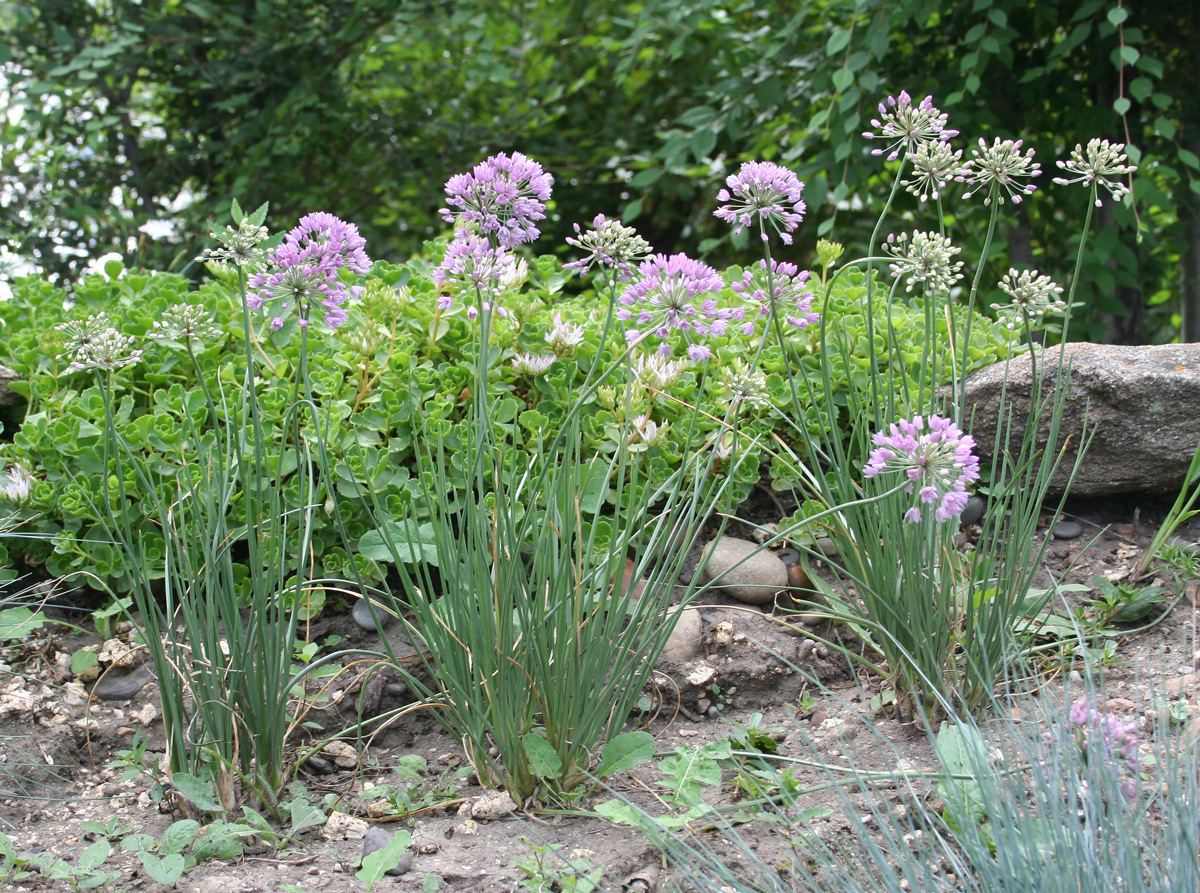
[[532, 364], [924, 258], [644, 433], [935, 456], [503, 197], [906, 126], [608, 244], [744, 388], [563, 336], [765, 192], [1097, 165], [676, 295], [657, 372], [471, 262], [16, 486], [303, 271], [1031, 298], [186, 323], [934, 166], [1105, 740], [782, 291], [1001, 164], [239, 247], [80, 335], [109, 350]]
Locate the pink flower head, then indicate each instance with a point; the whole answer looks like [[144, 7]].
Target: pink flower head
[[936, 458], [906, 126], [764, 191], [503, 196], [471, 262], [676, 295], [787, 294], [1105, 740], [304, 270]]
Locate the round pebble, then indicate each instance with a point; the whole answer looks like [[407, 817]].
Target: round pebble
[[121, 688], [972, 513], [362, 615], [788, 556], [1067, 530], [377, 839]]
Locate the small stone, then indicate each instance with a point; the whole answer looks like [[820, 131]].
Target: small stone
[[788, 556], [797, 578], [702, 675], [319, 765], [1119, 705], [343, 755], [1178, 684], [469, 828], [396, 689], [744, 570], [340, 826], [378, 839], [722, 636], [1067, 530], [493, 805], [684, 642], [713, 712], [122, 688], [702, 705], [972, 512], [827, 547], [361, 612]]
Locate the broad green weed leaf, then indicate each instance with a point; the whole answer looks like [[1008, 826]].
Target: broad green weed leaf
[[376, 864], [544, 761], [93, 857], [624, 752], [17, 623], [179, 836], [196, 791], [167, 870]]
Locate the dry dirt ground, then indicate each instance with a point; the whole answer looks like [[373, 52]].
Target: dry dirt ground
[[57, 746]]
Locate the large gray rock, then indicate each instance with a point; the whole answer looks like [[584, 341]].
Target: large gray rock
[[1142, 402], [8, 397]]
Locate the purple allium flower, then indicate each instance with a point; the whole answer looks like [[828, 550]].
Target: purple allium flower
[[1003, 164], [676, 294], [471, 261], [1097, 164], [765, 191], [504, 195], [609, 244], [305, 270], [907, 126], [1105, 740], [791, 300], [935, 456]]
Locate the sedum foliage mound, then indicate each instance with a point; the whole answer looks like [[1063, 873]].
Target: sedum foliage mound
[[399, 364]]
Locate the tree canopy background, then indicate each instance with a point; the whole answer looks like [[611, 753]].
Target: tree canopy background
[[122, 113]]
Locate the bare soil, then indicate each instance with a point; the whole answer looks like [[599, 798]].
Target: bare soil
[[55, 742]]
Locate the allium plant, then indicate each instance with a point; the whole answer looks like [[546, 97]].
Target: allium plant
[[224, 667], [533, 653], [945, 621]]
